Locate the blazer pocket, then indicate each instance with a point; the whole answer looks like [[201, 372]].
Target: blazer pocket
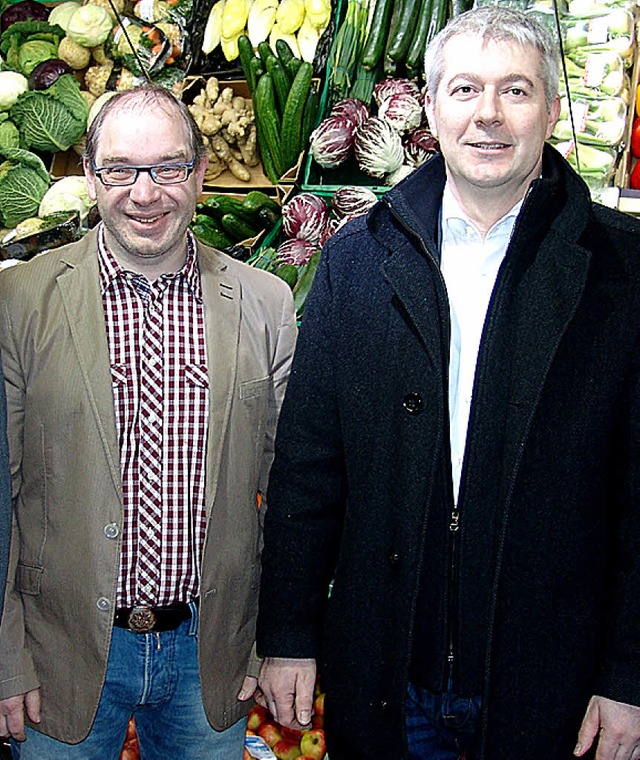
[[28, 579], [253, 388]]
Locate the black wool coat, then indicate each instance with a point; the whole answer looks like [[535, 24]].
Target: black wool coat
[[547, 607]]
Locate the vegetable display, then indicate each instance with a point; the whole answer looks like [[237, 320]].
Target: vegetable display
[[23, 182]]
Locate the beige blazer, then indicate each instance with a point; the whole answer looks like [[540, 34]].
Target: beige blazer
[[60, 598]]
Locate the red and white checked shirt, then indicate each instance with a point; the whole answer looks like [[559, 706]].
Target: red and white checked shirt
[[182, 395]]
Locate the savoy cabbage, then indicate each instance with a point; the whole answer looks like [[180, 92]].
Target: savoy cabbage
[[51, 120], [23, 182]]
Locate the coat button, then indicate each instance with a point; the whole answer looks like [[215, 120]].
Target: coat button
[[111, 530], [103, 604], [412, 402], [394, 558]]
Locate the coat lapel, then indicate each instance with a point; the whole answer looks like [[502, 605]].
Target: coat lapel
[[221, 294], [80, 291]]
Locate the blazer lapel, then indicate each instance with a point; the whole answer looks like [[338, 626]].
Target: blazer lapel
[[221, 294], [80, 290]]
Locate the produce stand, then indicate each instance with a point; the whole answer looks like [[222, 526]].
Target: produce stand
[[347, 49]]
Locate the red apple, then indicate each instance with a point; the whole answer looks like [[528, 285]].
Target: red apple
[[257, 715], [318, 704], [291, 734], [286, 750], [270, 731], [313, 743], [317, 721]]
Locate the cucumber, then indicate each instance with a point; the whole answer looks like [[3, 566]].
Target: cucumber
[[269, 128], [219, 205], [267, 218], [281, 81], [255, 200], [415, 55], [438, 18], [375, 43], [303, 286], [257, 70], [237, 228], [399, 44], [266, 258], [283, 51], [264, 51], [293, 65], [288, 273], [389, 65], [309, 115], [245, 53], [292, 116], [211, 236]]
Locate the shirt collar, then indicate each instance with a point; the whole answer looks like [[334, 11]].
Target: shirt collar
[[111, 270], [452, 211]]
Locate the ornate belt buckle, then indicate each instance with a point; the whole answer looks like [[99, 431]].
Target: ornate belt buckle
[[142, 619]]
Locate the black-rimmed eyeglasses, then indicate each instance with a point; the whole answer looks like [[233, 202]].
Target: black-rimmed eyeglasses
[[161, 174]]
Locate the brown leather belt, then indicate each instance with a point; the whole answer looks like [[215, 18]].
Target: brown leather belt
[[157, 619]]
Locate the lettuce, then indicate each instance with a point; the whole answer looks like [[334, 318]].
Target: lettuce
[[23, 182], [54, 119]]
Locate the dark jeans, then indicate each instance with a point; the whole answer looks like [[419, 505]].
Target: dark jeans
[[441, 726]]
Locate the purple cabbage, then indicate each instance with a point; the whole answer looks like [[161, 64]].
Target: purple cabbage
[[352, 200], [378, 148], [331, 142], [388, 87], [295, 251], [402, 111], [419, 146], [305, 216], [25, 10], [353, 109], [47, 72]]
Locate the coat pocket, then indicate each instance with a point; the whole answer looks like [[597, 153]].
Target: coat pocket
[[253, 388], [28, 579]]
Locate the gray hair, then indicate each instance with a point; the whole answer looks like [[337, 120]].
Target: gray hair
[[497, 24], [143, 97]]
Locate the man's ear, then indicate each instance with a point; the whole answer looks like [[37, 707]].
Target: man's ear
[[91, 179], [554, 113], [429, 109]]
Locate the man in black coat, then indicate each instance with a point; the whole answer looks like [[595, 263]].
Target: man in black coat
[[459, 448]]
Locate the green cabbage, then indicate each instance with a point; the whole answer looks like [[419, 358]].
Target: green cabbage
[[22, 33], [9, 135], [23, 182], [54, 119], [90, 25], [34, 52]]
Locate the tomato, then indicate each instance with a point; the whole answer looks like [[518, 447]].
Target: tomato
[[638, 100], [634, 180], [635, 138]]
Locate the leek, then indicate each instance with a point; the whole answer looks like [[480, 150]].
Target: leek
[[346, 49]]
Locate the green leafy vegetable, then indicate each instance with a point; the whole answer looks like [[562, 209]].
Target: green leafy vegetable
[[9, 135], [54, 119], [23, 182], [34, 52], [22, 32]]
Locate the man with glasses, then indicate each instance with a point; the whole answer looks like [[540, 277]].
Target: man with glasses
[[144, 374]]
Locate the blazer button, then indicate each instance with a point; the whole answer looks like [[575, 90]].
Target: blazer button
[[111, 530], [103, 604], [412, 402], [394, 559]]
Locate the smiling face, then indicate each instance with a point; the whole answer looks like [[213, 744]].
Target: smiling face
[[145, 223], [491, 117]]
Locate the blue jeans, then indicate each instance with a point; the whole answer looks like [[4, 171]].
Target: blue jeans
[[441, 726], [155, 678]]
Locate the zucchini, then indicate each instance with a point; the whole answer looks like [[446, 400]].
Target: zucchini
[[303, 286], [292, 116], [245, 53], [398, 45], [237, 228], [389, 65], [255, 200], [283, 51], [269, 128], [281, 81], [415, 55], [375, 43], [438, 18]]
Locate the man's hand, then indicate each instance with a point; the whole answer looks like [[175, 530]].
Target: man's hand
[[12, 712], [619, 726], [249, 685], [285, 688]]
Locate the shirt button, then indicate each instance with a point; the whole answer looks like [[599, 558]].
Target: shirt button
[[111, 530], [103, 604]]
